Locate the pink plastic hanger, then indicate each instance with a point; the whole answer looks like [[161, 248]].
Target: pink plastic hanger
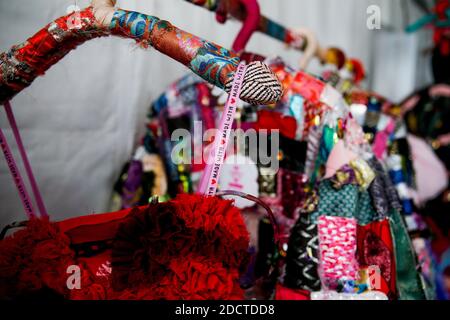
[[251, 16]]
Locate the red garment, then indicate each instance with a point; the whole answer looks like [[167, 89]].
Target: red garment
[[283, 293], [191, 247], [378, 250], [271, 120], [441, 36]]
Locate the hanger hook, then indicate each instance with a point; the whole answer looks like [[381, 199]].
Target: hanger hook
[[246, 10]]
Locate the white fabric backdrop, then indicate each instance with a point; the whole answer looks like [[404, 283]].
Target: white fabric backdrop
[[80, 121]]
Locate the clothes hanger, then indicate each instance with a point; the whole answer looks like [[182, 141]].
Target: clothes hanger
[[439, 21], [251, 18], [312, 48], [439, 17], [213, 63], [237, 10], [57, 39], [249, 27], [301, 39]]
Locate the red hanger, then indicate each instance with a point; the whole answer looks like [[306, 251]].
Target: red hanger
[[246, 10]]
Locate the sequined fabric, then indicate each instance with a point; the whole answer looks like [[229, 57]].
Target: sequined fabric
[[25, 62]]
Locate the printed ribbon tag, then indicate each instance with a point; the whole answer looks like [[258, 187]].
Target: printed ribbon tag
[[17, 177], [211, 174]]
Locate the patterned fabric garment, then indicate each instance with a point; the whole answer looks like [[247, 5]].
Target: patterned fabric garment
[[210, 61], [342, 197], [409, 281], [23, 63], [302, 256], [314, 139], [376, 250], [337, 248], [293, 194], [347, 202], [345, 175], [336, 202], [382, 191], [365, 212], [357, 172], [364, 174], [213, 63]]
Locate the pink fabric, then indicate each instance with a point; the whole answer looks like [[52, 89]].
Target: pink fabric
[[337, 247], [410, 104], [431, 174], [26, 162], [382, 139], [444, 140], [440, 90], [354, 134], [339, 157]]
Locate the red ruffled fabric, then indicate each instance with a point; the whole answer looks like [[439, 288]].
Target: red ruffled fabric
[[164, 239], [190, 278], [34, 258], [189, 248]]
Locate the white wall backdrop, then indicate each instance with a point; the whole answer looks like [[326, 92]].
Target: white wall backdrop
[[80, 121]]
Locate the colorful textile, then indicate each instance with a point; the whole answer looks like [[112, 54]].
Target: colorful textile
[[217, 65], [337, 249], [302, 256], [365, 213], [347, 202], [25, 62], [410, 283], [277, 31], [210, 61], [376, 250], [283, 293], [382, 191], [272, 120], [338, 203], [364, 174], [345, 175]]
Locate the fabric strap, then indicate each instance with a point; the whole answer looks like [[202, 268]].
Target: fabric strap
[[210, 177], [14, 169]]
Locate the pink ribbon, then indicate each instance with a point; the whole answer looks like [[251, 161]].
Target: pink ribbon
[[13, 168], [210, 177], [17, 177]]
